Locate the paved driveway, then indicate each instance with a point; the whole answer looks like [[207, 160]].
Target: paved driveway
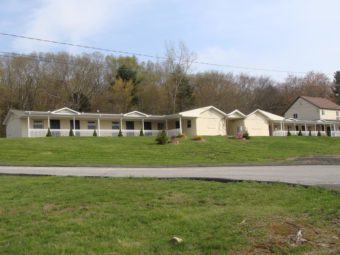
[[306, 174]]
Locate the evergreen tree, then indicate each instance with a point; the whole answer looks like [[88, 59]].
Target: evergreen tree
[[336, 87]]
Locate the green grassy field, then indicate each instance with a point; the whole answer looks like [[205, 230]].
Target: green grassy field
[[69, 215], [144, 150]]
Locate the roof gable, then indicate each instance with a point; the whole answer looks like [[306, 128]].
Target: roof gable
[[197, 112], [135, 114], [236, 114], [66, 111], [267, 115]]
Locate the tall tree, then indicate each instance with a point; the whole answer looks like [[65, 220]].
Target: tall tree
[[336, 86], [177, 64]]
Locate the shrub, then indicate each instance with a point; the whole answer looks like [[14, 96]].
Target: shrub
[[300, 133], [95, 133], [120, 134], [246, 135], [49, 134], [310, 133], [141, 133], [162, 138], [289, 134], [71, 132], [197, 138], [319, 133]]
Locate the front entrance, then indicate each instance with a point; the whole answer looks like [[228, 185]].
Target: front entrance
[[270, 130], [328, 131], [55, 126], [130, 126]]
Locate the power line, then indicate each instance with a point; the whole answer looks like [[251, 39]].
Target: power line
[[148, 55]]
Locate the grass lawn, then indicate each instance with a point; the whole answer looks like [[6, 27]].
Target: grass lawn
[[69, 215], [144, 150]]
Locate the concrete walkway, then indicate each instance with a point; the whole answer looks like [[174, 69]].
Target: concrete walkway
[[302, 174]]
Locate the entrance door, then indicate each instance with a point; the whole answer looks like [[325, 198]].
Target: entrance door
[[329, 131], [270, 130], [130, 126], [55, 126]]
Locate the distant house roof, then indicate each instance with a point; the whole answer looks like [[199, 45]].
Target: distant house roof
[[268, 115], [320, 102]]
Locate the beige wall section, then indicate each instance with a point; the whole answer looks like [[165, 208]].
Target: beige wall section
[[211, 122], [234, 126], [304, 109], [192, 131], [14, 127], [257, 125], [328, 114]]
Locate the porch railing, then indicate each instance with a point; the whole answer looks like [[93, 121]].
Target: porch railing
[[101, 132], [335, 133], [304, 133]]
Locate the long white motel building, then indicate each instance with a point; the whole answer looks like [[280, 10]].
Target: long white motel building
[[309, 115]]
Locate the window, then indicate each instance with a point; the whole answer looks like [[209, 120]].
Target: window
[[130, 125], [147, 125], [323, 112], [337, 114], [38, 124], [160, 126], [91, 125], [115, 125], [295, 115], [188, 123], [177, 124]]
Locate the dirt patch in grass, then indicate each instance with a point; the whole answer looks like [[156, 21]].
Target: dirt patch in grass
[[281, 237]]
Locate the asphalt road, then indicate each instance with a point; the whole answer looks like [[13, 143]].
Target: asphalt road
[[324, 175]]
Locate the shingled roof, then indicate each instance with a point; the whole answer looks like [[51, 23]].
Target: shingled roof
[[322, 103]]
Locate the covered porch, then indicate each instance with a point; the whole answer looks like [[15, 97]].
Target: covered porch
[[308, 128], [65, 121]]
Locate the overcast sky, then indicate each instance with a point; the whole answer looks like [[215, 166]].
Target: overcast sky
[[294, 35]]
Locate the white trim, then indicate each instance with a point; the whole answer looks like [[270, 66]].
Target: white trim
[[65, 109]]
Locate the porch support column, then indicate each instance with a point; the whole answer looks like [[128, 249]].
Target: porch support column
[[28, 127], [180, 125], [143, 125], [48, 121], [121, 124], [98, 125], [166, 127], [74, 123]]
